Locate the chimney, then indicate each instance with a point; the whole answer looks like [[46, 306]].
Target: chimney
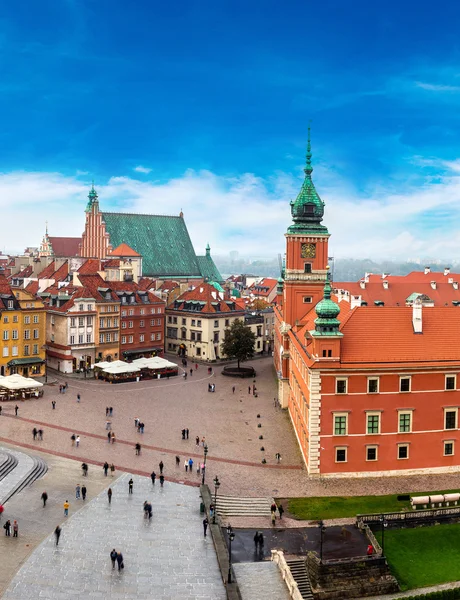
[[455, 285], [362, 284], [427, 270], [446, 270], [385, 285], [417, 316], [433, 284]]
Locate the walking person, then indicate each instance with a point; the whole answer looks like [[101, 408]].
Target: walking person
[[113, 437], [113, 557], [44, 498], [153, 477], [186, 433], [77, 492], [77, 441], [249, 389], [120, 561], [109, 437], [16, 408], [278, 457], [57, 534], [84, 468], [53, 404], [138, 449], [109, 495], [15, 529], [66, 508], [112, 469], [7, 528], [205, 525], [190, 464], [83, 492], [233, 389], [280, 510], [34, 433], [111, 411], [78, 398], [130, 486], [161, 465], [197, 441], [73, 438], [108, 425], [177, 461], [162, 480], [186, 465], [106, 411], [273, 518], [106, 468]]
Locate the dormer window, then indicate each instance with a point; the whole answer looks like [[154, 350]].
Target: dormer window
[[108, 296], [10, 304], [132, 299], [308, 209]]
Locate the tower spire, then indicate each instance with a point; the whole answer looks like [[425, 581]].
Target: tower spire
[[308, 168]]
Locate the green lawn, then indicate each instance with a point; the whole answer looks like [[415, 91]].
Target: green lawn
[[423, 556], [337, 507]]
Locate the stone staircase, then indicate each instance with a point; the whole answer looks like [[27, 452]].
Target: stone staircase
[[299, 572], [8, 463], [17, 471], [38, 470], [232, 506]]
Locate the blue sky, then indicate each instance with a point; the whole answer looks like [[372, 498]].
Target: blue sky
[[204, 106]]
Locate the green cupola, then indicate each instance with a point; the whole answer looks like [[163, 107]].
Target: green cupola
[[308, 209], [326, 323], [92, 198], [280, 285]]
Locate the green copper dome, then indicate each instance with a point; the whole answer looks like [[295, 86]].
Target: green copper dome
[[308, 208], [92, 198], [327, 311]]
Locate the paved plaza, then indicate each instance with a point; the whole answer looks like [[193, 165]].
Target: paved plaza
[[165, 558]]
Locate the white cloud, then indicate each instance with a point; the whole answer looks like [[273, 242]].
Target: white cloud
[[141, 169], [436, 87], [245, 213]]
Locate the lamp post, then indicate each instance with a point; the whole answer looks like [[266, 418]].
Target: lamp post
[[216, 487], [231, 537], [383, 523], [322, 529], [205, 451], [45, 348]]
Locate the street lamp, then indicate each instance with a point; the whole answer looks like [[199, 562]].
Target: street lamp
[[231, 537], [322, 529], [383, 523], [216, 487], [45, 348], [205, 451]]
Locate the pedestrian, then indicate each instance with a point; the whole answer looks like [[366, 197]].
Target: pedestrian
[[77, 492], [44, 498], [15, 529], [111, 411], [191, 372], [34, 433], [153, 476], [53, 404], [278, 457], [183, 434], [109, 437], [273, 517], [78, 397], [149, 510], [136, 422], [57, 534], [161, 465], [256, 539], [142, 427], [77, 441], [16, 408], [197, 441], [130, 485], [197, 468], [66, 385], [203, 441], [1, 408], [138, 449], [84, 468], [205, 525], [112, 469], [72, 437], [370, 550], [83, 492], [113, 437], [7, 528], [162, 480], [249, 389], [40, 434], [146, 510], [186, 465], [186, 433], [190, 464], [273, 507], [120, 561], [106, 468], [109, 495], [106, 411], [60, 389], [113, 557], [108, 425], [66, 508], [233, 389], [196, 366], [177, 461], [280, 510]]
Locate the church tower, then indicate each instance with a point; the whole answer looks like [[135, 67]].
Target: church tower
[[95, 241], [306, 250]]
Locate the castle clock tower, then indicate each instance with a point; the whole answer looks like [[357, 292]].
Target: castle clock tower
[[306, 250]]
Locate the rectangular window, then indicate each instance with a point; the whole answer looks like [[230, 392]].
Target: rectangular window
[[15, 334], [158, 336], [123, 339], [192, 336], [36, 336], [6, 335], [184, 322], [89, 321], [371, 453], [450, 418], [373, 423], [27, 334], [216, 323], [340, 424], [152, 337], [72, 321], [451, 382], [26, 350], [449, 448], [403, 451], [404, 384], [198, 323], [404, 422], [307, 299], [341, 386], [80, 339], [158, 321], [15, 319], [115, 322], [130, 339], [115, 336], [131, 312], [152, 322], [14, 350], [373, 385], [81, 321], [109, 322], [123, 324], [89, 307], [193, 322], [72, 339], [142, 311], [35, 349], [198, 336], [123, 313], [35, 318], [159, 310], [5, 319], [169, 319], [198, 351], [81, 307], [340, 455], [89, 338], [5, 351], [27, 320], [101, 338], [141, 338], [142, 323], [108, 337], [130, 324], [101, 323]]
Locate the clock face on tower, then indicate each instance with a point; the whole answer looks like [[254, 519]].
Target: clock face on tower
[[308, 251]]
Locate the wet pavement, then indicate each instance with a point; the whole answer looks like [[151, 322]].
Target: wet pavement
[[338, 542]]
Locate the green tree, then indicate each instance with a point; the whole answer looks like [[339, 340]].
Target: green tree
[[239, 342]]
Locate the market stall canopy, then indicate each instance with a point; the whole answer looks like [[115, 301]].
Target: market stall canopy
[[104, 364], [18, 382], [153, 363], [113, 369]]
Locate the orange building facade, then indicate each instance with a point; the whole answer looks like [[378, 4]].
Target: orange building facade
[[370, 390]]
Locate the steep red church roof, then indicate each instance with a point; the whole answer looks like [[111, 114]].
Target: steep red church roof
[[65, 246]]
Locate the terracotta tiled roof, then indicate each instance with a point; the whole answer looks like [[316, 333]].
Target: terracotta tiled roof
[[145, 283], [47, 271], [308, 321], [264, 287], [386, 335], [112, 263], [212, 301], [4, 286], [90, 267], [65, 246], [168, 285], [62, 273], [26, 272], [124, 250], [93, 282], [32, 287]]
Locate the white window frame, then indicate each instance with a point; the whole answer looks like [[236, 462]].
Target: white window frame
[[373, 447], [336, 415], [336, 450], [374, 414], [401, 377], [453, 447], [405, 412], [404, 445], [377, 379], [451, 409], [345, 379], [454, 377], [141, 338]]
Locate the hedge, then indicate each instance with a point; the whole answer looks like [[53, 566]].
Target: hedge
[[453, 594]]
